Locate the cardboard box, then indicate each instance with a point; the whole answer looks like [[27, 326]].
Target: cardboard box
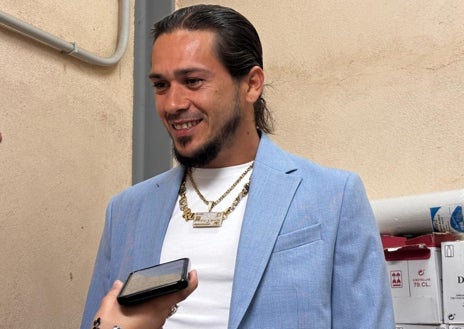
[[415, 279], [453, 282], [415, 283], [392, 241], [433, 239]]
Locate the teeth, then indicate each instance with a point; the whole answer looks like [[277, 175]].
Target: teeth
[[186, 125]]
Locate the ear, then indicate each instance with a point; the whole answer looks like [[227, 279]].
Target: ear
[[254, 84]]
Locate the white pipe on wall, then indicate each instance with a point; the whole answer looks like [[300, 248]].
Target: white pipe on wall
[[420, 214], [71, 48]]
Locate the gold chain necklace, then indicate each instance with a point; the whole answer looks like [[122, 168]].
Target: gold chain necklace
[[209, 219], [212, 204]]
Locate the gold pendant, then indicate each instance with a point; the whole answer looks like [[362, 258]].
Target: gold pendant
[[208, 219]]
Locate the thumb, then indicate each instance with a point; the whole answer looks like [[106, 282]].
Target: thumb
[[115, 289]]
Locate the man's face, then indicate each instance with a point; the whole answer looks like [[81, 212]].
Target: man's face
[[199, 103]]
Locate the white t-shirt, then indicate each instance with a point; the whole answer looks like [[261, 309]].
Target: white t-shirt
[[212, 251]]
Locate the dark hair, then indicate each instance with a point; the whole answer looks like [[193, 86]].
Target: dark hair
[[238, 46]]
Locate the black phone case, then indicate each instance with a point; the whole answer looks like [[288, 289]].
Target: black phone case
[[155, 291]]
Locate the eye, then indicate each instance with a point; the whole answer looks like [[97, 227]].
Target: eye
[[160, 86], [193, 83]]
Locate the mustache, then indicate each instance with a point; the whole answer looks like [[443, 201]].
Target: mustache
[[184, 116]]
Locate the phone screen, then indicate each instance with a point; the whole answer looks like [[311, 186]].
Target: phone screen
[[156, 276], [155, 281]]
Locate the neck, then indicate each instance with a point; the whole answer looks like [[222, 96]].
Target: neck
[[242, 151]]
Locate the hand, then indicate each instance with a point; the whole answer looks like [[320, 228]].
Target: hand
[[150, 314]]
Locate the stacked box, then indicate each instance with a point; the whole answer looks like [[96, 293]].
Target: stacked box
[[453, 283], [415, 284], [414, 266]]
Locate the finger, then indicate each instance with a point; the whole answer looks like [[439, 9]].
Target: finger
[[109, 301], [115, 289], [112, 295], [184, 293], [193, 282]]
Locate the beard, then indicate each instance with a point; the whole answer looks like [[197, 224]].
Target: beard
[[209, 151]]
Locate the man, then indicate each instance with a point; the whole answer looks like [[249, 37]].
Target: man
[[277, 241]]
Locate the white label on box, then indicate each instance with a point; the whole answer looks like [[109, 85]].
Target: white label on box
[[424, 277], [399, 278]]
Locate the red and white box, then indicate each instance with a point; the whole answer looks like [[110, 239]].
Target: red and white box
[[453, 282], [415, 278]]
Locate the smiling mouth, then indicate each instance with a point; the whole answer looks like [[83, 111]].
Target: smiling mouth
[[185, 125]]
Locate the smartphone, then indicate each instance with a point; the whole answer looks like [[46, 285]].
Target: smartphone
[[155, 281]]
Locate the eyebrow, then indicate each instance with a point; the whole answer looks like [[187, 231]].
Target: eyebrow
[[180, 73]]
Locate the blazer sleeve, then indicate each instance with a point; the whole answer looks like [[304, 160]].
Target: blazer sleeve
[[101, 282], [361, 294]]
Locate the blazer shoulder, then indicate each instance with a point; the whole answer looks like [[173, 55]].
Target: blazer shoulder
[[310, 166], [275, 158], [146, 188]]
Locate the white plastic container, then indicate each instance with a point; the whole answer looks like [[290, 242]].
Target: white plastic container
[[420, 214]]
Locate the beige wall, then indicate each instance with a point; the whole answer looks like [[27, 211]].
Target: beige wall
[[66, 149], [374, 87]]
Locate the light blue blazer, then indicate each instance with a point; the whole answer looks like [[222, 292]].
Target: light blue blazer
[[309, 254]]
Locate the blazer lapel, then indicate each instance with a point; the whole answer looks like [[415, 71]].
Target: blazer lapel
[[158, 211], [271, 191]]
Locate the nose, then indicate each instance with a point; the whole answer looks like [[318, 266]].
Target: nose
[[175, 99]]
